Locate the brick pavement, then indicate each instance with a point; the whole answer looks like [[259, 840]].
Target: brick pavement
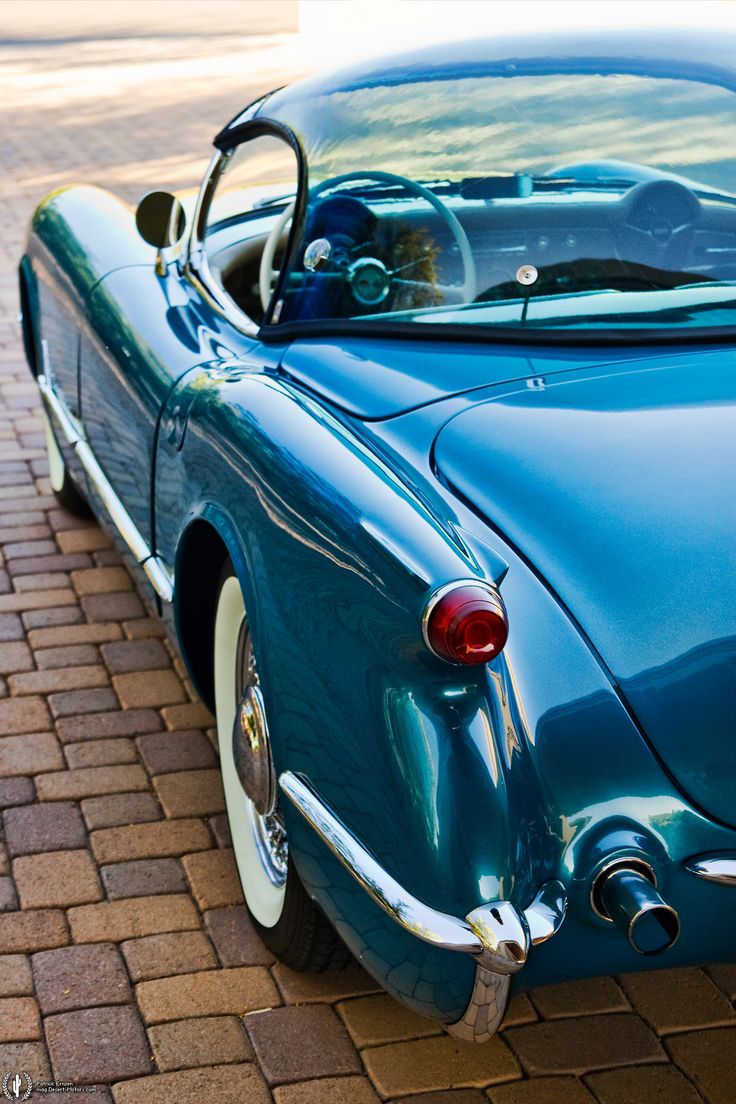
[[126, 957]]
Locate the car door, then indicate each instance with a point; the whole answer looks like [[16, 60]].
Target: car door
[[245, 206], [141, 333], [148, 326]]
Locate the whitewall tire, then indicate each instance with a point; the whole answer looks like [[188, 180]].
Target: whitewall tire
[[289, 922], [62, 484], [57, 467], [263, 895]]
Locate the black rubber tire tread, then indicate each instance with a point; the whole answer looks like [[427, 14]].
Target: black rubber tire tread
[[302, 938], [72, 499]]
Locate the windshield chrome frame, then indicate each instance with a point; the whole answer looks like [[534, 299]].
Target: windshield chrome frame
[[195, 266]]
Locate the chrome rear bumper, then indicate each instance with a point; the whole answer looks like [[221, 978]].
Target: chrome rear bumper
[[498, 934], [719, 868]]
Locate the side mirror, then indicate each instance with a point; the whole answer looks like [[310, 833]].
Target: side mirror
[[160, 219]]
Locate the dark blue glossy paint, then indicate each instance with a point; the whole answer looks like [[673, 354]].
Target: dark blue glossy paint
[[347, 480], [376, 378], [128, 363], [618, 487], [470, 776]]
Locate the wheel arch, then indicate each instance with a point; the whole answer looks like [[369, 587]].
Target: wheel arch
[[201, 555], [28, 296], [208, 541]]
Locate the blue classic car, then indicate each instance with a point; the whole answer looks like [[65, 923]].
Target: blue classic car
[[436, 381]]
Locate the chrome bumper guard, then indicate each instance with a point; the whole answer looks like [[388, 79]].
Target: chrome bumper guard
[[498, 934], [720, 867]]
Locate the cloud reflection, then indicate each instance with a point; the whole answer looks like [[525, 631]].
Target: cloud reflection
[[463, 127]]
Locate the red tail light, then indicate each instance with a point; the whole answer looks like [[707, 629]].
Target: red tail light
[[465, 622]]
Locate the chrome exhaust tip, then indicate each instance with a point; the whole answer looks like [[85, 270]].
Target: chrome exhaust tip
[[626, 894]]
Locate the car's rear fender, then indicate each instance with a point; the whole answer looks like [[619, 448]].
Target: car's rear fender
[[77, 235], [467, 786], [312, 521]]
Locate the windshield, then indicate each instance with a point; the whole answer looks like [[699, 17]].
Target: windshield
[[552, 202]]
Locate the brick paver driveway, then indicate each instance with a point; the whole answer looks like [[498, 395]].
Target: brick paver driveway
[[126, 957]]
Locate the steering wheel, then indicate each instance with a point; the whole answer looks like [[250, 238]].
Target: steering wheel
[[659, 225], [267, 274], [467, 291]]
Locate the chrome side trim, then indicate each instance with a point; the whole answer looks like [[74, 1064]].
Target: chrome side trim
[[426, 923], [159, 576], [714, 868], [196, 268], [498, 934]]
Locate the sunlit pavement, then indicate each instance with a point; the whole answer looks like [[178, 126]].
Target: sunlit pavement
[[126, 959]]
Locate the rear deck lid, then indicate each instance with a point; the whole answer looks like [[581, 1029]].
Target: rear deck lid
[[620, 489], [379, 378]]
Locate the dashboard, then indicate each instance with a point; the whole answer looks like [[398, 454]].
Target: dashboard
[[403, 253]]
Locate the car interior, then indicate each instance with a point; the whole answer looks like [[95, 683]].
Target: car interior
[[393, 248]]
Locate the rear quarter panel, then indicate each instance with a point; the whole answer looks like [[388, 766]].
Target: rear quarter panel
[[468, 786], [336, 555]]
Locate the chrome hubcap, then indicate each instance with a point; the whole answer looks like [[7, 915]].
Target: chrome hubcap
[[254, 765], [273, 847], [252, 751]]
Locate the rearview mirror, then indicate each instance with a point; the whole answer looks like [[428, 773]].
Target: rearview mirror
[[160, 219]]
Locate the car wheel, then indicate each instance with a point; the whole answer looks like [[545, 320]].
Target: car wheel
[[290, 924], [65, 489]]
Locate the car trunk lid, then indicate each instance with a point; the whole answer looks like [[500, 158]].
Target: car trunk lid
[[620, 488], [377, 378]]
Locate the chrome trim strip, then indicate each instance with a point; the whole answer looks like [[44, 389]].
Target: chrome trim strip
[[426, 923], [72, 429], [714, 868], [204, 196], [196, 268], [498, 934], [159, 577]]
